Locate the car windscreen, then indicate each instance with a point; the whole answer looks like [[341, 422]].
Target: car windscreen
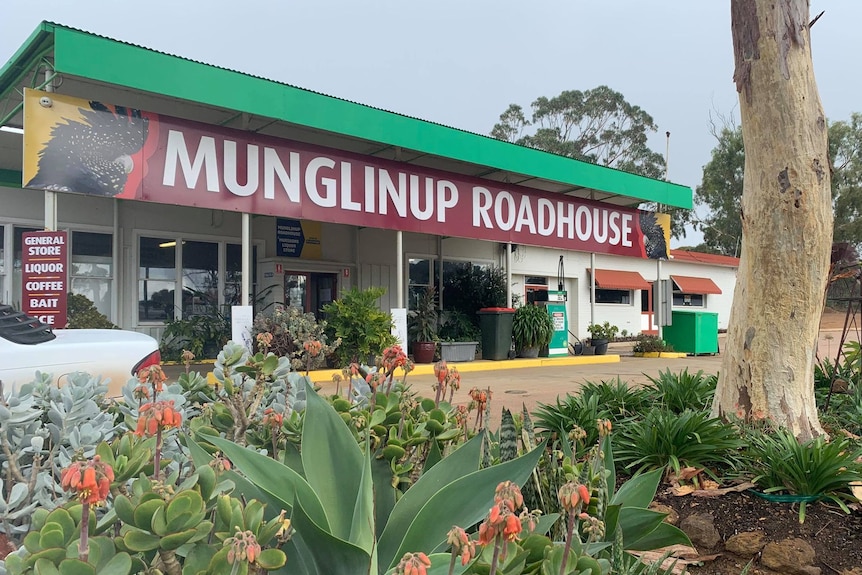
[[19, 327]]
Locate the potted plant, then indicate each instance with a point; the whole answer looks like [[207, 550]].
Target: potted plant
[[423, 325], [458, 337], [601, 335], [532, 329]]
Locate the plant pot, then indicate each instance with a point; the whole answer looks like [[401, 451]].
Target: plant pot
[[423, 351], [458, 351], [529, 352], [601, 346]]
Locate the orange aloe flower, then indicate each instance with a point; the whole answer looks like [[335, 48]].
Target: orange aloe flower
[[157, 415], [89, 480]]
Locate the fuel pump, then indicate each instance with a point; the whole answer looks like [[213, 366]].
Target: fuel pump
[[554, 301]]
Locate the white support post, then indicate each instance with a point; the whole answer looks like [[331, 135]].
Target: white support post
[[245, 293], [440, 276], [50, 197], [592, 288], [399, 269], [509, 274]]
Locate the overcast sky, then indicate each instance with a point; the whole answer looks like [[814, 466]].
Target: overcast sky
[[462, 62]]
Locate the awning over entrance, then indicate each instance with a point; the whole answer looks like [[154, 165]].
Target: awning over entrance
[[614, 279], [687, 284]]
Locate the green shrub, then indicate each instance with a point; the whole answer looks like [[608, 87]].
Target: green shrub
[[291, 329], [364, 329], [82, 314], [665, 439], [618, 398], [203, 335], [781, 464], [574, 417], [532, 327], [645, 343], [681, 391]]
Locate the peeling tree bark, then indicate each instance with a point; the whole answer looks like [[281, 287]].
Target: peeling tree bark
[[768, 365]]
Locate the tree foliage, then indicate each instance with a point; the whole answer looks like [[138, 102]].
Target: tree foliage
[[597, 126], [845, 152], [720, 191]]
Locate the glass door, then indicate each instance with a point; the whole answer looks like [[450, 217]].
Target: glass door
[[296, 291]]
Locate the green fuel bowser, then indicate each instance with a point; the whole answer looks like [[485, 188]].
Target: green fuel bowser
[[555, 302]]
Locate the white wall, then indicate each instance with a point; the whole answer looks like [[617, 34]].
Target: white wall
[[368, 255]]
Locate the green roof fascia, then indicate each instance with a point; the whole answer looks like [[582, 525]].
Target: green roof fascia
[[37, 46], [10, 178], [101, 59]]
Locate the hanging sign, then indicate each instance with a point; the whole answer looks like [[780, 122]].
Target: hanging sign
[[297, 239], [44, 276], [81, 146]]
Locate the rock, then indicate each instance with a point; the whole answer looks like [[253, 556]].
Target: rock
[[790, 556], [746, 544], [854, 571], [672, 515], [700, 528]]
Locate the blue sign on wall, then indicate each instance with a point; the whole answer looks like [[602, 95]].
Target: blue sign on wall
[[289, 238]]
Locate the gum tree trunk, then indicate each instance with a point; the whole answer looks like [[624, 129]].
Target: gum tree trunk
[[768, 363]]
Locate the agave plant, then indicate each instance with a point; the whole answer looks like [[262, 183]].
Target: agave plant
[[343, 504]]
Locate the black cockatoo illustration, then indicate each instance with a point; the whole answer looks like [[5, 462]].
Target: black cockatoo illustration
[[655, 245], [93, 156]]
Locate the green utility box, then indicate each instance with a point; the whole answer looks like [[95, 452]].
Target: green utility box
[[693, 332], [496, 326]]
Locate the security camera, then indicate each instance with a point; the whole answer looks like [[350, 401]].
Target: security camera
[[46, 102]]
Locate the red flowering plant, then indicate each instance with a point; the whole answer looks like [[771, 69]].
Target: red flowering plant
[[90, 482], [154, 418], [447, 378]]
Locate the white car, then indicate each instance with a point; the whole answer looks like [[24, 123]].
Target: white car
[[27, 345]]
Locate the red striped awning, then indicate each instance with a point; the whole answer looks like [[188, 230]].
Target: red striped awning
[[615, 279], [687, 284]]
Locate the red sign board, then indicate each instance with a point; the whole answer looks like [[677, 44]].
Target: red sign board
[[44, 276], [156, 158]]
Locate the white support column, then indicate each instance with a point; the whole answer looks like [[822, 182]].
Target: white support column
[[658, 308], [116, 265], [509, 274], [245, 292], [440, 276], [399, 269], [50, 197], [592, 288]]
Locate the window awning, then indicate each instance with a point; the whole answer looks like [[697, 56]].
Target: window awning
[[615, 279], [687, 284]]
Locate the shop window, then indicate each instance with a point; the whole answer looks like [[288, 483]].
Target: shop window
[[689, 299], [420, 277], [157, 277], [92, 273], [532, 284], [615, 296], [200, 278]]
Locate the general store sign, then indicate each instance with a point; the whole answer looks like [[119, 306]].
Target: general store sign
[[44, 276], [87, 147]]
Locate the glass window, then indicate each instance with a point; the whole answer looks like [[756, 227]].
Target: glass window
[[420, 278], [156, 279], [688, 299], [617, 296], [200, 278], [233, 274], [92, 271]]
